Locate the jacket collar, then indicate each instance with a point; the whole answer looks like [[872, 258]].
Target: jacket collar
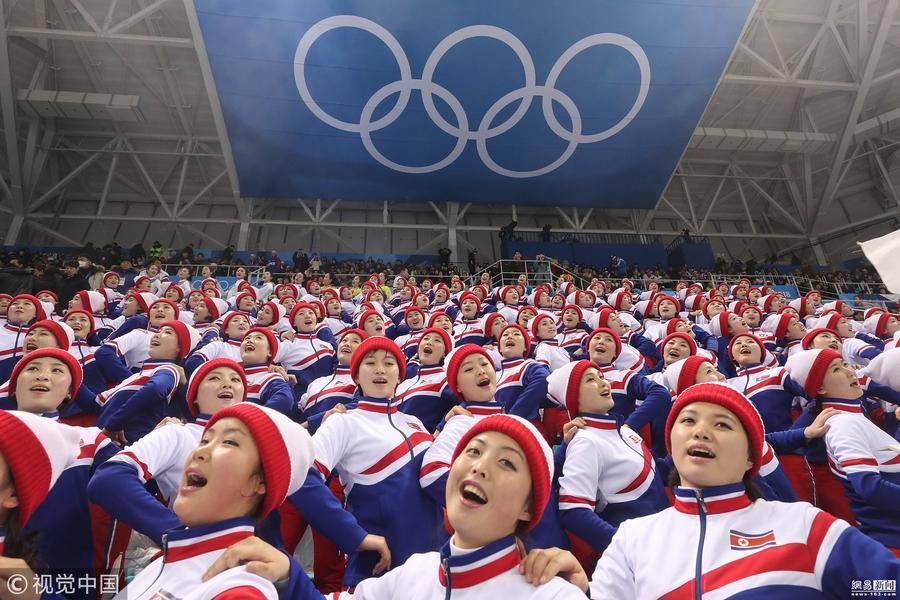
[[712, 500], [188, 542], [254, 369], [483, 409], [510, 363], [202, 420], [752, 370], [851, 406], [431, 370], [468, 568], [598, 421], [151, 365], [342, 370], [377, 405]]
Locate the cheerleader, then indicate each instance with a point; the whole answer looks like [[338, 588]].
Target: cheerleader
[[498, 486], [522, 387], [425, 394], [862, 456], [24, 310], [377, 452], [120, 354], [258, 348], [572, 331], [718, 529], [27, 440], [334, 391], [467, 329], [133, 408], [548, 350], [609, 474], [249, 460]]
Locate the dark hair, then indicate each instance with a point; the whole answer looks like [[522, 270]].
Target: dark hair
[[753, 491], [70, 263], [20, 545]]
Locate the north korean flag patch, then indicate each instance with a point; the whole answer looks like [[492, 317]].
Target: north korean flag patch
[[751, 541]]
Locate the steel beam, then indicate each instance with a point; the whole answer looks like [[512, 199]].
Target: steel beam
[[99, 37], [137, 17], [859, 100], [812, 84]]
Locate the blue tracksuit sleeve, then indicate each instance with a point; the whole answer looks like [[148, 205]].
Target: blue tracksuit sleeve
[[877, 491], [534, 392], [854, 557], [116, 488], [326, 335], [326, 515], [883, 392], [125, 409], [589, 526], [278, 395], [871, 339], [656, 402], [192, 363], [298, 586], [785, 442], [111, 365], [643, 345], [131, 323]]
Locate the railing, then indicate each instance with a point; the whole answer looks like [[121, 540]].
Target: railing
[[506, 272]]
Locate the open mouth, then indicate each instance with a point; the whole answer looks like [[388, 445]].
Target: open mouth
[[745, 350], [154, 343], [249, 347], [225, 395], [30, 346], [427, 350], [43, 389], [484, 382], [701, 452], [380, 381], [472, 494], [193, 480]]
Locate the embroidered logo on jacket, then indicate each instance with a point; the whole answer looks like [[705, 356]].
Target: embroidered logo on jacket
[[751, 541]]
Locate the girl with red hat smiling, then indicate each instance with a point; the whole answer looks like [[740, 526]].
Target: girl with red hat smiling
[[498, 486], [425, 394], [720, 538], [249, 460], [377, 452], [23, 310], [609, 474], [336, 390], [522, 387], [132, 409], [863, 457], [258, 349]]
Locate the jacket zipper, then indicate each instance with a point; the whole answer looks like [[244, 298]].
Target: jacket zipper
[[698, 573], [445, 565], [412, 454]]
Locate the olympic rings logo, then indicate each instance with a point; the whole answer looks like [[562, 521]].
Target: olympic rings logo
[[486, 128]]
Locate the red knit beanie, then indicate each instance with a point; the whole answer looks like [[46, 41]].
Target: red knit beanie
[[535, 321], [809, 367], [681, 375], [202, 371], [81, 311], [39, 313], [692, 344], [455, 359], [759, 342], [216, 307], [535, 450], [524, 335], [63, 356], [61, 332], [285, 449], [270, 337], [811, 336], [434, 317], [616, 339], [445, 337], [563, 384], [188, 337], [729, 398], [374, 344], [36, 450], [165, 301], [488, 324], [229, 318]]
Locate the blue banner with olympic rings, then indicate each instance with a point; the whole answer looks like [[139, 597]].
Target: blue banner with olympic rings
[[574, 103]]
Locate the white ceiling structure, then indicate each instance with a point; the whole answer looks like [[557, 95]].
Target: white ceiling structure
[[112, 131]]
